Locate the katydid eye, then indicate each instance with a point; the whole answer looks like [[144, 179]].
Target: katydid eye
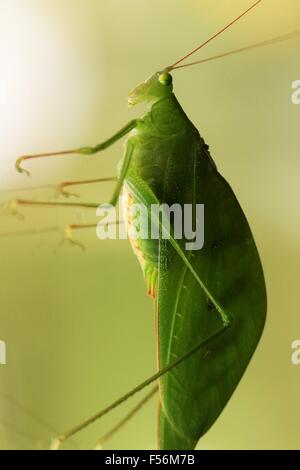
[[165, 79]]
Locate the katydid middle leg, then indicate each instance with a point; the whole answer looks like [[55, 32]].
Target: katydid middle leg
[[66, 184]]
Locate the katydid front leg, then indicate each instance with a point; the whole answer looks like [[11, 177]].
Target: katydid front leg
[[80, 151], [88, 205]]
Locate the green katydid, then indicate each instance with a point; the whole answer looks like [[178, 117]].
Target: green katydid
[[210, 304]]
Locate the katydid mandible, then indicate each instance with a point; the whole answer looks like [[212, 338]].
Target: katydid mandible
[[210, 304]]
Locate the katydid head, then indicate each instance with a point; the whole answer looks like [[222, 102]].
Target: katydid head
[[159, 85], [156, 87]]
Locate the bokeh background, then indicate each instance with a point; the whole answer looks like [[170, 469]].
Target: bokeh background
[[79, 326]]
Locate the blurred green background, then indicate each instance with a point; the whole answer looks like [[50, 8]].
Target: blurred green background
[[79, 326]]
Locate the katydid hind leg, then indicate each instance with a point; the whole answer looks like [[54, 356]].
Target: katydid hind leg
[[108, 435], [56, 444], [144, 193]]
